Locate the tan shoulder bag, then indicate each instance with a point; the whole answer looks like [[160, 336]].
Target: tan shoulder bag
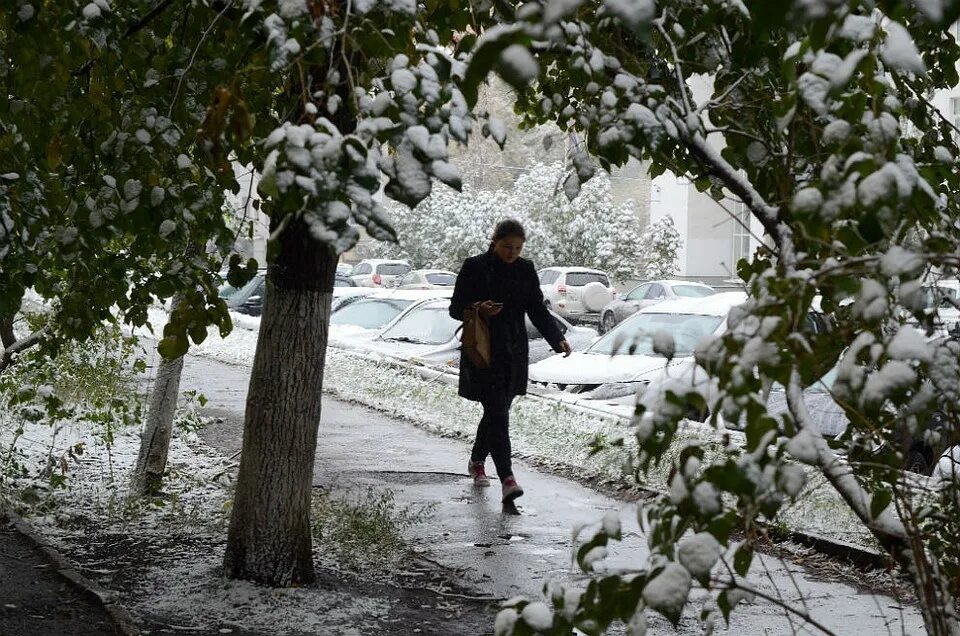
[[476, 338]]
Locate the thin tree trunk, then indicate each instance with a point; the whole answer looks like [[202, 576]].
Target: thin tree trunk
[[7, 337], [155, 441], [269, 540]]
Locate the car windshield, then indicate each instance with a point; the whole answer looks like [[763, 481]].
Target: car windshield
[[430, 324], [637, 333], [369, 313], [579, 279], [448, 280], [936, 296], [392, 269], [693, 291], [823, 385]]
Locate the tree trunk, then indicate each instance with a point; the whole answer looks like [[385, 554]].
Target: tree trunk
[[270, 540], [7, 337], [155, 442]]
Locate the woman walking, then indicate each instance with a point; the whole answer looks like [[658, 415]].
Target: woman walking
[[503, 288]]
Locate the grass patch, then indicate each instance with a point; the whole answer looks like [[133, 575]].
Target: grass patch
[[364, 531]]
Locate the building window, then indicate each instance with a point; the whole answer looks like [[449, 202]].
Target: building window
[[741, 232]]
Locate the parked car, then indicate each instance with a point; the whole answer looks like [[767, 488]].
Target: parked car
[[344, 269], [249, 298], [646, 294], [345, 295], [344, 281], [378, 272], [363, 316], [576, 293], [426, 332], [427, 279], [623, 362], [226, 290]]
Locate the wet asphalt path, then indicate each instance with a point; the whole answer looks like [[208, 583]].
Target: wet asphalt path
[[502, 554]]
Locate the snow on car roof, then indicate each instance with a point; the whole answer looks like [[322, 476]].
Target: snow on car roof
[[716, 305], [573, 269], [412, 294], [672, 283], [382, 261]]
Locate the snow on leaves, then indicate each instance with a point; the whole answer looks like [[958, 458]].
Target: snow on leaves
[[824, 131], [591, 231]]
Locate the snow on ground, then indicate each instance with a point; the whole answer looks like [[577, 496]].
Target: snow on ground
[[164, 555], [548, 429], [178, 574]]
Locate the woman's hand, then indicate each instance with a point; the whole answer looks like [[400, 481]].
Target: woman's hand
[[489, 308], [566, 348]]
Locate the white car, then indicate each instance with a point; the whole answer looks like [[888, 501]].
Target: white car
[[343, 295], [425, 332], [427, 279], [576, 293], [362, 317], [622, 363], [374, 272], [646, 294], [344, 269]]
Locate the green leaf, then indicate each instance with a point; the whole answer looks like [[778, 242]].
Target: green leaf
[[172, 347], [742, 559], [879, 502]]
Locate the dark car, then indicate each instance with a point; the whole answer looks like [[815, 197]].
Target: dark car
[[249, 298]]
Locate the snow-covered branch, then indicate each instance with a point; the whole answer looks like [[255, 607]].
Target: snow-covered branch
[[6, 358], [809, 446]]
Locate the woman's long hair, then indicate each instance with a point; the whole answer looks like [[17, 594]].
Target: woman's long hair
[[505, 228]]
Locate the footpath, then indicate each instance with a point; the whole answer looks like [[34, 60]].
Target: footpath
[[41, 594], [504, 553]]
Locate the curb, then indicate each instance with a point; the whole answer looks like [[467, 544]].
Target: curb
[[838, 549], [122, 619]]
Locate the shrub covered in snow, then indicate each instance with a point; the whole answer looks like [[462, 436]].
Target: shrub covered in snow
[[589, 231]]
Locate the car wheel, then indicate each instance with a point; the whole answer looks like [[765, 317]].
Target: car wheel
[[608, 322]]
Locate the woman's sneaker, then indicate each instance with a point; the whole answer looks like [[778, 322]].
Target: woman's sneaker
[[511, 489], [479, 474]]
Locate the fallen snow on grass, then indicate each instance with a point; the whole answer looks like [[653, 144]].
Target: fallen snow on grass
[[199, 584], [162, 556]]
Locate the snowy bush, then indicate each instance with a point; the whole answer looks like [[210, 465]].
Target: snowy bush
[[660, 245], [588, 231], [91, 385]]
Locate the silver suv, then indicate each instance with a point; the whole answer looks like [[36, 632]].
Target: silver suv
[[375, 272], [576, 293]]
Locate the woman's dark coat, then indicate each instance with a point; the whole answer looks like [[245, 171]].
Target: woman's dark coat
[[516, 285]]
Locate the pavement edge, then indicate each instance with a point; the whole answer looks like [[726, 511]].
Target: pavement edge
[[122, 618]]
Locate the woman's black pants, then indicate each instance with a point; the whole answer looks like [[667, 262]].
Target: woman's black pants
[[493, 433]]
